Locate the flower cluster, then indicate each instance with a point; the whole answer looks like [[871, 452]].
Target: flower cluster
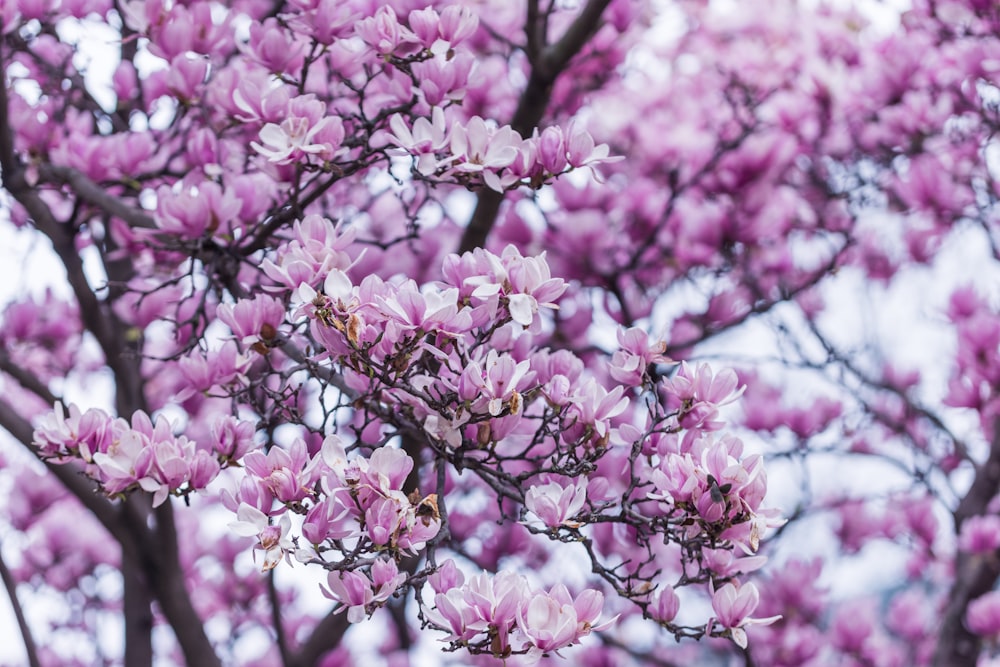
[[503, 615], [475, 153], [351, 505], [125, 456], [453, 365]]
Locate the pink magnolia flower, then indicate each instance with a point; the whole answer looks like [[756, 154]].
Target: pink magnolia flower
[[581, 150], [556, 505], [287, 474], [423, 141], [78, 433], [431, 311], [232, 438], [702, 393], [495, 600], [186, 75], [272, 539], [457, 23], [446, 577], [552, 150], [382, 520], [594, 407], [637, 353], [733, 605], [258, 99], [452, 614], [478, 149], [494, 383], [383, 31], [317, 247], [214, 368], [442, 79], [306, 132], [911, 615], [253, 320], [853, 628], [274, 47], [358, 594], [554, 620], [150, 457], [335, 517], [421, 522], [196, 211], [385, 470], [531, 285], [424, 24], [523, 284], [665, 605], [547, 624]]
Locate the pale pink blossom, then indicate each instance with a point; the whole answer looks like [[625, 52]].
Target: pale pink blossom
[[361, 595], [383, 31], [556, 505], [733, 606], [307, 132], [665, 605], [478, 149], [272, 539], [423, 141]]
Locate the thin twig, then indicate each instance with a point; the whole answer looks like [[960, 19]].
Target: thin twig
[[22, 623]]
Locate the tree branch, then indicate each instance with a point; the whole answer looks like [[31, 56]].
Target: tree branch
[[279, 628], [166, 577], [69, 475], [30, 647], [974, 575], [28, 380], [326, 636], [100, 321], [94, 194], [534, 101], [137, 612]]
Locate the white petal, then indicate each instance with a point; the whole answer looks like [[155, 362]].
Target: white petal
[[338, 286], [522, 308]]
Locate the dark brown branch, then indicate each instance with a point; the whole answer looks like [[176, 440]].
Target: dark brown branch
[[94, 194], [911, 404], [30, 647], [69, 475], [109, 332], [100, 321], [326, 636], [137, 612], [26, 379], [533, 103], [279, 627], [166, 576], [974, 574], [534, 31]]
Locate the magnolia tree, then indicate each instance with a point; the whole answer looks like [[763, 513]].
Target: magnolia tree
[[463, 333]]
